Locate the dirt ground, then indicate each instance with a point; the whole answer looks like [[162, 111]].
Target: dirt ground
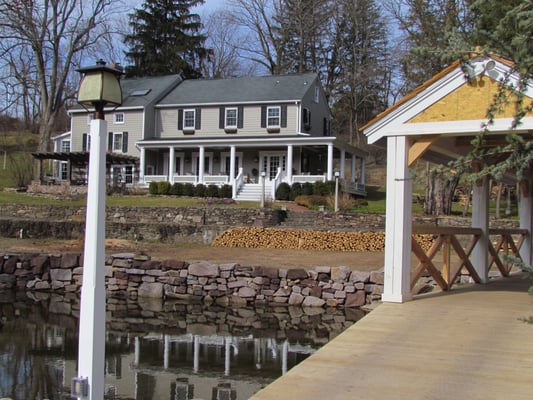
[[284, 258]]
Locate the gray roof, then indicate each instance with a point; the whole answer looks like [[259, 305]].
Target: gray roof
[[241, 90], [140, 92]]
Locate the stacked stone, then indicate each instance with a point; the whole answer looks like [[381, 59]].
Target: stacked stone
[[133, 276]]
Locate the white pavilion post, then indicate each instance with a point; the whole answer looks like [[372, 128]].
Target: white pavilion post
[[525, 212], [397, 285], [480, 219]]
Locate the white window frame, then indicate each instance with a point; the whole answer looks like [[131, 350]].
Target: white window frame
[[118, 118], [118, 149], [64, 148], [226, 117], [185, 113], [271, 118], [63, 170]]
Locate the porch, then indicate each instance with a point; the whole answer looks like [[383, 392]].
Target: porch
[[241, 162]]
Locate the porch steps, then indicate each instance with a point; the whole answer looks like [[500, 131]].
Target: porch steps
[[252, 192]]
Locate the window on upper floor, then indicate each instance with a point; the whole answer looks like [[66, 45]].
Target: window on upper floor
[[273, 117], [65, 146], [118, 142], [189, 118], [231, 118], [317, 94], [86, 142], [118, 118], [306, 118]]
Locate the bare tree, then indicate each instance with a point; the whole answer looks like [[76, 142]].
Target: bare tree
[[262, 42], [223, 39], [42, 40]]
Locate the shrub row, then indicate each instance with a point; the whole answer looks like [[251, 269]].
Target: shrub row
[[190, 190], [291, 192]]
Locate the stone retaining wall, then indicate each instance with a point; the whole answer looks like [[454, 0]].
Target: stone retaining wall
[[133, 276]]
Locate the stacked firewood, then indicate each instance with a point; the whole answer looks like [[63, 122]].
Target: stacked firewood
[[274, 238]]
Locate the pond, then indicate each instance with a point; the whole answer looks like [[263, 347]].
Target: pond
[[158, 349]]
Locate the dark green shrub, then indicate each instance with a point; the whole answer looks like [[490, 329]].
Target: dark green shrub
[[177, 189], [188, 189], [211, 191], [320, 189], [307, 189], [199, 190], [296, 190], [163, 187], [226, 192], [331, 187], [152, 188], [283, 191]]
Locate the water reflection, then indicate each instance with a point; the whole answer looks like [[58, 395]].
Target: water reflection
[[158, 350]]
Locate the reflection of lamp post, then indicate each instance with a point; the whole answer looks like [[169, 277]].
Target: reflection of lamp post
[[336, 191], [263, 176], [99, 87]]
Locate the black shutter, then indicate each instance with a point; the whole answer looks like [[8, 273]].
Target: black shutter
[[110, 141], [124, 142], [221, 117], [84, 142], [198, 120], [180, 119], [284, 116], [263, 117], [240, 117]]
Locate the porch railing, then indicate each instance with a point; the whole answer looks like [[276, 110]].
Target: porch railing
[[447, 239], [308, 178], [155, 178], [237, 183]]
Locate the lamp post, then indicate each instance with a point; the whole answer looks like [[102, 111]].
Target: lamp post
[[336, 191], [99, 87], [263, 177]]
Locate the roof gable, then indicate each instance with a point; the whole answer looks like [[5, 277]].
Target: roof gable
[[448, 103], [241, 90]]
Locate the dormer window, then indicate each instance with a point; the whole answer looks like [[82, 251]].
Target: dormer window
[[317, 94], [118, 118], [306, 118]]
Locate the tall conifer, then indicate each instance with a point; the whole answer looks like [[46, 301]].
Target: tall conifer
[[165, 39]]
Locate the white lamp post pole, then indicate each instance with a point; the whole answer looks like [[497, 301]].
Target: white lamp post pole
[[92, 313], [336, 191], [99, 87]]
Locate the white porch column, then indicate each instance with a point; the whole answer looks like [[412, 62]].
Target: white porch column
[[142, 162], [354, 164], [525, 212], [397, 285], [330, 162], [171, 164], [289, 163], [362, 178], [480, 219], [342, 166], [201, 164], [232, 165]]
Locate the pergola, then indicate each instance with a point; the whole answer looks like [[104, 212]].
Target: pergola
[[81, 160], [437, 122]]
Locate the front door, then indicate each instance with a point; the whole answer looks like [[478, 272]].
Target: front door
[[271, 163]]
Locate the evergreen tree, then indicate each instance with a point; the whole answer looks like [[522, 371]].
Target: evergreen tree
[[166, 39]]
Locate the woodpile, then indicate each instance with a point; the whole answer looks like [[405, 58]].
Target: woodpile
[[275, 238]]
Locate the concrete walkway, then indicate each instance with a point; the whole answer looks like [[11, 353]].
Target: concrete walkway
[[465, 344]]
